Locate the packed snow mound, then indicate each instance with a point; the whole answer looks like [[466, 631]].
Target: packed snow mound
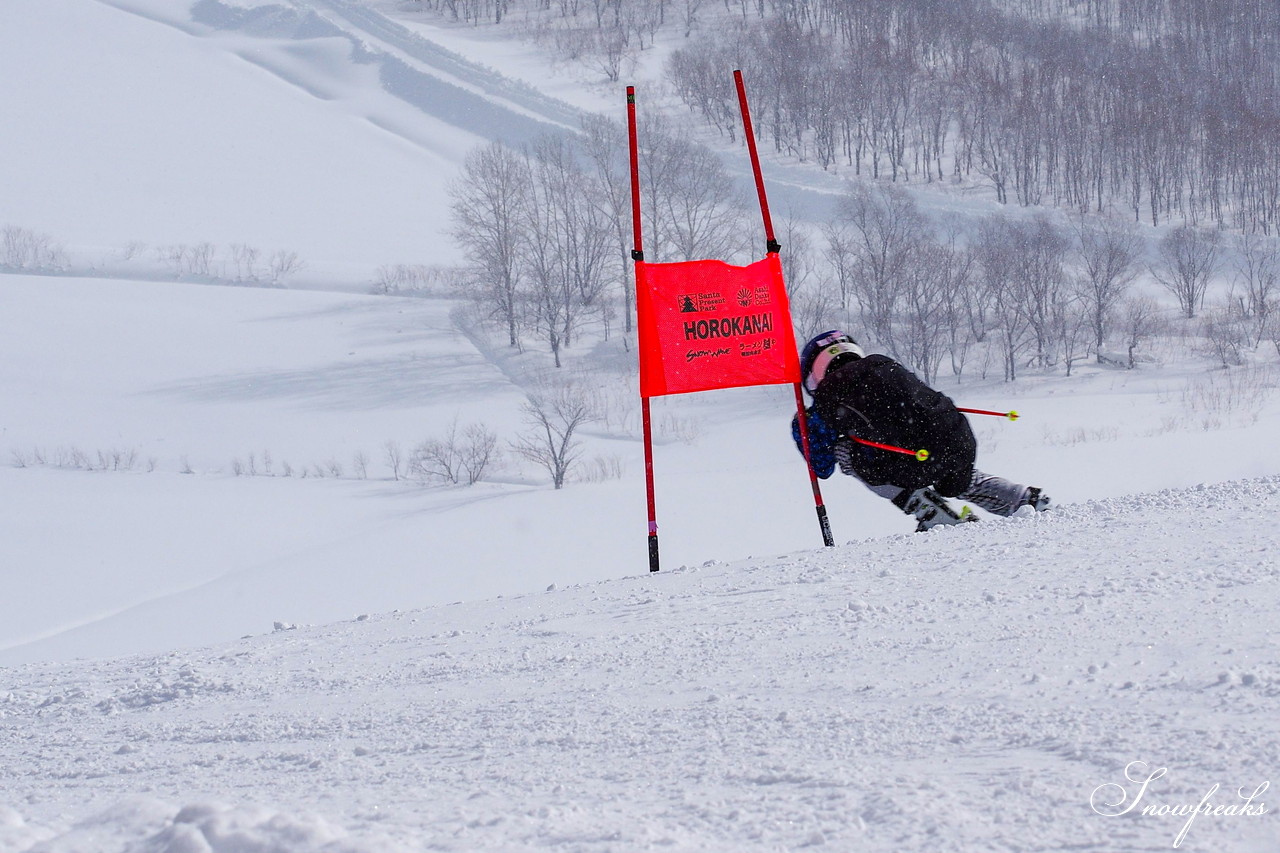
[[990, 686]]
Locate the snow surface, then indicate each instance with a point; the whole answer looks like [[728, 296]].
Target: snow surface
[[200, 653], [971, 689]]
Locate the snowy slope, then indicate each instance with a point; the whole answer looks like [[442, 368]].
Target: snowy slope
[[223, 398], [304, 127], [974, 689], [195, 383]]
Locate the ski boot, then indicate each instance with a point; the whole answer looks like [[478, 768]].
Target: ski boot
[[1036, 499], [931, 509], [999, 496]]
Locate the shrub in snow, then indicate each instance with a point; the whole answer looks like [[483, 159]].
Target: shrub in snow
[[284, 264], [410, 278], [24, 249], [454, 458], [1226, 335], [602, 468]]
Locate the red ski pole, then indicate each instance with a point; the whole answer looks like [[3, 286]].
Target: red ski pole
[[921, 454], [1011, 415]]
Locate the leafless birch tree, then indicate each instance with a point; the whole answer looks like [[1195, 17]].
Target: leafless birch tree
[[490, 221], [1109, 253], [1186, 260], [554, 415]]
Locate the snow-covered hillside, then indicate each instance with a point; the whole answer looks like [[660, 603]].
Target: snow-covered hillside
[[185, 464], [314, 128], [980, 688]]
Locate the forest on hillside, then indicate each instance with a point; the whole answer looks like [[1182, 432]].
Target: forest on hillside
[[1167, 108], [1119, 114]]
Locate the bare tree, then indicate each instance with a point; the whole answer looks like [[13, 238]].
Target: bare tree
[[1073, 318], [689, 15], [606, 49], [24, 249], [887, 233], [958, 296], [703, 210], [489, 220], [1258, 272], [1109, 253], [479, 451], [998, 256], [922, 329], [814, 305], [554, 414], [395, 457], [200, 260], [245, 260], [1226, 334], [568, 246], [174, 256], [1139, 320], [284, 263], [1042, 295], [452, 458], [605, 142], [798, 258], [438, 458], [1187, 259], [841, 256], [660, 156], [691, 209], [1022, 278]]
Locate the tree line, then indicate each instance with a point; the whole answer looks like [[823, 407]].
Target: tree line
[[547, 229], [1169, 109], [1031, 290]]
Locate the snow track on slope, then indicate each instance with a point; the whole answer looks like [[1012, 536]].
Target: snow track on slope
[[429, 78], [968, 689]]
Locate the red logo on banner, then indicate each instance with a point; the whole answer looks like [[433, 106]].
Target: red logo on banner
[[707, 324]]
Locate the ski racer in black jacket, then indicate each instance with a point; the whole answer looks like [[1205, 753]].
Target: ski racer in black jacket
[[875, 399]]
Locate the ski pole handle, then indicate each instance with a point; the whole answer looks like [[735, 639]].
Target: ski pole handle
[[1011, 415]]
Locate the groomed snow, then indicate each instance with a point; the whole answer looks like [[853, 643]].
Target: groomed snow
[[966, 690]]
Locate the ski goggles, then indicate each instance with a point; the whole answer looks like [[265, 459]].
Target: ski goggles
[[826, 356]]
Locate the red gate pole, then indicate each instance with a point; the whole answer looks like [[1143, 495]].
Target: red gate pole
[[824, 524], [773, 247], [637, 255]]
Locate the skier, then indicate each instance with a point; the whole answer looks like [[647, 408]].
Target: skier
[[874, 398]]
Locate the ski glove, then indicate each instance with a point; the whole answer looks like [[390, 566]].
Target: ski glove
[[822, 442]]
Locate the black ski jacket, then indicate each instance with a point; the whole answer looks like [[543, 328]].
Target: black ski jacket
[[877, 399]]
